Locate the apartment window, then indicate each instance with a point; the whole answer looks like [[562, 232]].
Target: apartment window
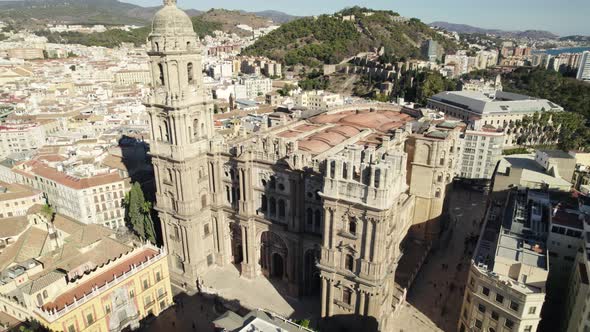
[[509, 324], [528, 328], [481, 308], [532, 310], [158, 276], [499, 298], [89, 319], [207, 231], [71, 328], [146, 284], [485, 291], [147, 301], [107, 309], [131, 294], [495, 315], [514, 305]]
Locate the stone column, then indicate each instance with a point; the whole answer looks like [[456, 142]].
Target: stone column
[[362, 304], [248, 252], [324, 296], [368, 240], [330, 298], [326, 235]]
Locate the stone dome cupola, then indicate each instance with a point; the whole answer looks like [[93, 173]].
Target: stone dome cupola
[[172, 21]]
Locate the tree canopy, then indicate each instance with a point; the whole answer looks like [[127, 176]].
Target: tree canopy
[[138, 214]]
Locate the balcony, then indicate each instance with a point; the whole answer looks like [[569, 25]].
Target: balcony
[[122, 324]]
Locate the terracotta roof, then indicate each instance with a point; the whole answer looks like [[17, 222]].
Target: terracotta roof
[[348, 124], [10, 227], [117, 268]]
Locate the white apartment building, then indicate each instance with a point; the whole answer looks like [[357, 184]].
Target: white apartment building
[[16, 199], [318, 100], [91, 200], [128, 77], [584, 68], [486, 59], [481, 152], [251, 87], [460, 63], [221, 70], [507, 279], [21, 137]]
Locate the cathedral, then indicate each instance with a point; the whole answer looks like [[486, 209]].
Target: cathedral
[[323, 204]]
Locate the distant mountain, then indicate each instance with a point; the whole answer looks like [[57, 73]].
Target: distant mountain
[[34, 14], [331, 39], [464, 28], [276, 16], [576, 38]]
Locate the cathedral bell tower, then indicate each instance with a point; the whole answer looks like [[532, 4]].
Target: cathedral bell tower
[[181, 120]]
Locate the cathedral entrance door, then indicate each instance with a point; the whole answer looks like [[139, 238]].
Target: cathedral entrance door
[[273, 255], [278, 266], [236, 243], [312, 273]]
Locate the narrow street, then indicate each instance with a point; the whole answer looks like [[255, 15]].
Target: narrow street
[[437, 291]]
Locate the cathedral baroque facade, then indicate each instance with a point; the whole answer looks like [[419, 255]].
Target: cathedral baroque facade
[[322, 204]]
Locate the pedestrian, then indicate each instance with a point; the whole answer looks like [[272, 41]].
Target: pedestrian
[[194, 326]]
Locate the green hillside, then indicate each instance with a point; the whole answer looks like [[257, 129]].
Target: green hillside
[[114, 37], [330, 39]]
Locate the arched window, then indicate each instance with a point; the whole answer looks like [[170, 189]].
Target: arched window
[[164, 131], [39, 300], [346, 295], [203, 201], [349, 262], [161, 68], [273, 206], [227, 194], [157, 46], [352, 227], [281, 208], [309, 217], [263, 203], [189, 72], [195, 128], [318, 219], [273, 182], [170, 176], [45, 295]]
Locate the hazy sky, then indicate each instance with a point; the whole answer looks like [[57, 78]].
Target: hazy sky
[[563, 17]]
